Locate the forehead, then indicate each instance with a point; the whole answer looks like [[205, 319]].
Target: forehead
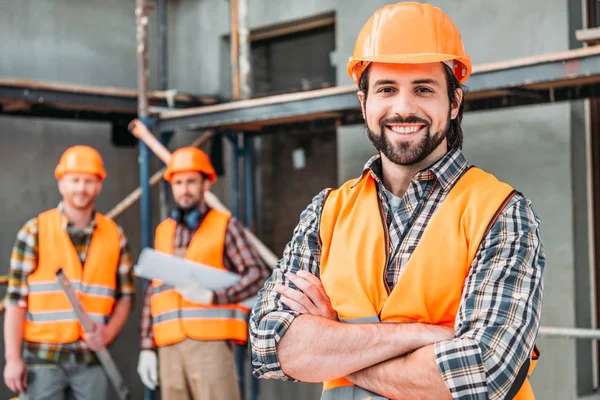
[[81, 176], [186, 176], [406, 73]]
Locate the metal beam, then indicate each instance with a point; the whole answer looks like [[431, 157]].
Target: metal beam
[[88, 102], [554, 77]]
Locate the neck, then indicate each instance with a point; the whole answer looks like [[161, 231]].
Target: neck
[[396, 178], [80, 218]]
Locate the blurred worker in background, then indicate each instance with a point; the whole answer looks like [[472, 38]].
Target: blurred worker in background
[[58, 357], [447, 255], [194, 328]]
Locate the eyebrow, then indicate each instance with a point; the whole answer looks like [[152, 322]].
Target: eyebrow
[[425, 81]]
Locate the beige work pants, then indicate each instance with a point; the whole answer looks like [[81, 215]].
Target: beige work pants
[[198, 370]]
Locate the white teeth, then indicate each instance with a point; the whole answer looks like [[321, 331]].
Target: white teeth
[[405, 130]]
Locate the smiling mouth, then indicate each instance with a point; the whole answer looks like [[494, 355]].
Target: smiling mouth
[[405, 129]]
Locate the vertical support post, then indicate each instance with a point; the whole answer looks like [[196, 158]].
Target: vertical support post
[[235, 46], [163, 77], [249, 181], [144, 151], [165, 188], [163, 57], [235, 168], [244, 64]]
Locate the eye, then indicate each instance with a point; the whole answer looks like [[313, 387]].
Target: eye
[[423, 89], [386, 89]]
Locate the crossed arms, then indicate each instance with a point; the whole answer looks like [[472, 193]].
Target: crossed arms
[[298, 338]]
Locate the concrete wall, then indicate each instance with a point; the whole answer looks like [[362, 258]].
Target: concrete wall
[[75, 41]]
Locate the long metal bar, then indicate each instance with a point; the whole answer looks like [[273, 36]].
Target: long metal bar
[[555, 77], [571, 333], [244, 64], [235, 179], [235, 47], [163, 48], [106, 361], [249, 197], [144, 152]]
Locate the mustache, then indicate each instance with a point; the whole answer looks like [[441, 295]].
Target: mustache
[[398, 119]]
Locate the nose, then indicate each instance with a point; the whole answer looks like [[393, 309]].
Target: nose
[[404, 104]]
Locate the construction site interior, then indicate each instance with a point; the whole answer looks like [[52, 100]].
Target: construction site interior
[[271, 91]]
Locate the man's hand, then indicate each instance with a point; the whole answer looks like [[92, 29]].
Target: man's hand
[[196, 293], [312, 299], [15, 375], [97, 339]]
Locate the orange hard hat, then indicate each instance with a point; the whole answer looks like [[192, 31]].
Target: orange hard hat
[[80, 159], [188, 159], [409, 33]]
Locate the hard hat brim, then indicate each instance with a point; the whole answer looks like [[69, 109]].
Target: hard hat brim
[[416, 58]]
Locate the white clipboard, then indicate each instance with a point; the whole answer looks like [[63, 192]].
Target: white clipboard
[[179, 272]]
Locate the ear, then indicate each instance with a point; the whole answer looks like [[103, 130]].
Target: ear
[[362, 98], [458, 98], [61, 187], [206, 185]]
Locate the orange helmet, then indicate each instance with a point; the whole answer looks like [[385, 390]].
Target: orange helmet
[[189, 159], [81, 159], [409, 33]]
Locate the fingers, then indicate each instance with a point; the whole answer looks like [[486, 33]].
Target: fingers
[[314, 280], [296, 298], [11, 385], [24, 381], [309, 289], [294, 305], [153, 375]]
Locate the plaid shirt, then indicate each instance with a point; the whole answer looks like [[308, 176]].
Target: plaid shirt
[[23, 262], [499, 313], [239, 256]]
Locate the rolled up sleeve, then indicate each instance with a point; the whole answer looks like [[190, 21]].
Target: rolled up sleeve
[[499, 315], [270, 318]]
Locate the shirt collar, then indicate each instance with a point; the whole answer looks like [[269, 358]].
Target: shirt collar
[[68, 225], [446, 170]]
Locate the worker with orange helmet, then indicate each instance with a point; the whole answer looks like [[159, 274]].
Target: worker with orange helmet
[[58, 358], [422, 277], [193, 328]]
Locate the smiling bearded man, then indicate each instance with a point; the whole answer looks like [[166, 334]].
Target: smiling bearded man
[[421, 278]]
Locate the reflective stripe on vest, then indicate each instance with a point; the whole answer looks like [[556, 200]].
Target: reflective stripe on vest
[[174, 318], [90, 290], [199, 313], [63, 316], [50, 317], [353, 262]]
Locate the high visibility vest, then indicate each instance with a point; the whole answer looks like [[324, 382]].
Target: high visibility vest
[[174, 318], [354, 258], [50, 317]]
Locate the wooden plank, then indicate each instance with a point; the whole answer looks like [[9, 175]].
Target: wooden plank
[[538, 59], [282, 98], [590, 36]]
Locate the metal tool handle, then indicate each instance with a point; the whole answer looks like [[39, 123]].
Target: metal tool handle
[[108, 364]]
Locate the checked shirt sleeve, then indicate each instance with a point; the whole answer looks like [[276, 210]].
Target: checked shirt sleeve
[[499, 315], [270, 318]]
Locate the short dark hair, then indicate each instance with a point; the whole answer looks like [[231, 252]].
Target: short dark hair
[[455, 133]]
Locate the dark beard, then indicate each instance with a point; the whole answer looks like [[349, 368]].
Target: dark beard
[[405, 153]]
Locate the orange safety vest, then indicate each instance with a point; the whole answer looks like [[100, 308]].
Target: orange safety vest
[[173, 317], [354, 259], [50, 317]]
